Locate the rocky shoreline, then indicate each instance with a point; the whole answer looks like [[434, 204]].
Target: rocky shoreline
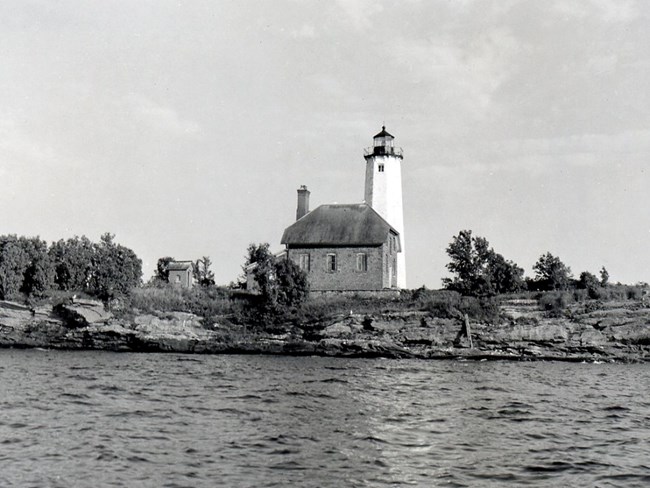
[[612, 331]]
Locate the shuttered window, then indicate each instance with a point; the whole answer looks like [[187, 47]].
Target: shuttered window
[[304, 262], [362, 262]]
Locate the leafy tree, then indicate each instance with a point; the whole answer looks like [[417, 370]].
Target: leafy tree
[[282, 284], [39, 275], [478, 269], [505, 276], [14, 261], [162, 269], [24, 266], [73, 263], [202, 273], [291, 284], [117, 269], [552, 273], [589, 282], [27, 265], [604, 277], [256, 253]]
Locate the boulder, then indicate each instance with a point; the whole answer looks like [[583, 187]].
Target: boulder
[[82, 313], [337, 330]]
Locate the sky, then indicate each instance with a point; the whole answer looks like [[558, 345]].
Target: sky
[[185, 127]]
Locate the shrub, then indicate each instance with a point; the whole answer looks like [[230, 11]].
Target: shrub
[[556, 303], [590, 283], [634, 293]]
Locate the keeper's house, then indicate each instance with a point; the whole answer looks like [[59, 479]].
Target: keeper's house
[[343, 247]]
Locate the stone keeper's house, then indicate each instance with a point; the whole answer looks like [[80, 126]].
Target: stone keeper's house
[[343, 247]]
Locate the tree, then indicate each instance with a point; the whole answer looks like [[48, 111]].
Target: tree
[[162, 269], [24, 266], [117, 269], [282, 284], [552, 273], [39, 275], [604, 277], [14, 261], [256, 253], [589, 282], [478, 269], [505, 276], [292, 286], [202, 273], [73, 263]]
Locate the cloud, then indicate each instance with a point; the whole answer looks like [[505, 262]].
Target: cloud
[[161, 117], [605, 10], [17, 148], [359, 12], [545, 155], [307, 31], [469, 72]]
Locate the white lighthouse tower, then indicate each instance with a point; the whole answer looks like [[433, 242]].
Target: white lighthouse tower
[[384, 190]]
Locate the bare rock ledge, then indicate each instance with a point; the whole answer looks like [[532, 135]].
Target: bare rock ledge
[[611, 332]]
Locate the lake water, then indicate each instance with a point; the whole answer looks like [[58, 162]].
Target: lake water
[[166, 420]]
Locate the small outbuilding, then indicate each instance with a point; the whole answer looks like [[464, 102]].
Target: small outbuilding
[[181, 273]]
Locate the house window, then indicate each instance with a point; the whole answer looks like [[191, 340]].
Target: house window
[[362, 262], [304, 262], [178, 278], [331, 263], [392, 243], [380, 168]]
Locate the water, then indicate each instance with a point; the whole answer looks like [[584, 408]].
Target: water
[[105, 419]]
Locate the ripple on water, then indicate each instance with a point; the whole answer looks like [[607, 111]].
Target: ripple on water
[[173, 420]]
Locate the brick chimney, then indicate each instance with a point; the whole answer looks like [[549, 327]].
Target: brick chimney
[[303, 202]]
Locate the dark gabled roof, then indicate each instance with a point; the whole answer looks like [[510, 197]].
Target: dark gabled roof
[[179, 265], [339, 225], [383, 133]]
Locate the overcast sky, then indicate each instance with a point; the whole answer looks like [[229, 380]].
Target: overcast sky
[[185, 127]]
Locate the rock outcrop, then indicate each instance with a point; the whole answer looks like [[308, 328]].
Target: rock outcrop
[[612, 331], [82, 313]]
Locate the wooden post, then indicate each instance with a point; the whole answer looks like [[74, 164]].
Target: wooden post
[[468, 331]]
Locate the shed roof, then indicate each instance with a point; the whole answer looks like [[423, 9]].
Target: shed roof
[[339, 225], [180, 265]]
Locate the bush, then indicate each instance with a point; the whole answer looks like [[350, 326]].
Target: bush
[[556, 303], [590, 283], [634, 293], [282, 285]]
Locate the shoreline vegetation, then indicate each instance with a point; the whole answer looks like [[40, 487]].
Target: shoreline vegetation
[[77, 294], [422, 324]]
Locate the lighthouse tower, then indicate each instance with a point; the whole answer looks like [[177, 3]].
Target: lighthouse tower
[[384, 190]]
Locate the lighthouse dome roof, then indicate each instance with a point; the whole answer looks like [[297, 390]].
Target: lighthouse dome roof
[[383, 133]]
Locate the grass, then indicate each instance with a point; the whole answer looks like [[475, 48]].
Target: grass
[[225, 305], [556, 303], [241, 308], [208, 302]]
